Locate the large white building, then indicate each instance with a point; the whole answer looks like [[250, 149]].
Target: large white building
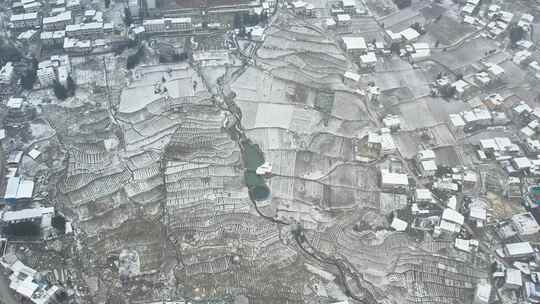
[[518, 250], [482, 293], [390, 180], [27, 20], [354, 46], [167, 25], [58, 67], [52, 39], [513, 279], [73, 5], [18, 189], [58, 22], [93, 29], [73, 45], [43, 214], [32, 7]]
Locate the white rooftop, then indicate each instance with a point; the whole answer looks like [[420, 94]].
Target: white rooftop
[[354, 43], [452, 202], [12, 187], [343, 17], [64, 16], [26, 214], [525, 224], [423, 195], [463, 245], [22, 17], [390, 178], [453, 216], [369, 58], [299, 4], [513, 277], [84, 26], [15, 103], [399, 225], [521, 248], [426, 154], [495, 69], [166, 20], [330, 22], [428, 165], [353, 76], [34, 153], [456, 120], [26, 189], [409, 34], [478, 213], [483, 292], [522, 163]]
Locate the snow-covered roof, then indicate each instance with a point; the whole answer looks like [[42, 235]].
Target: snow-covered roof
[[522, 163], [390, 178], [456, 120], [12, 187], [453, 216], [428, 165], [368, 58], [34, 153], [527, 17], [461, 85], [525, 224], [426, 154], [423, 195], [351, 75], [495, 69], [513, 277], [22, 17], [409, 34], [452, 202], [521, 248], [15, 102], [354, 43], [463, 245], [26, 214], [343, 17], [478, 213], [62, 17], [26, 189], [399, 225]]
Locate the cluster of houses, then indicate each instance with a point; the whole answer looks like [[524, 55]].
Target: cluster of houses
[[19, 209], [495, 20], [28, 282], [488, 75], [366, 53], [18, 198], [67, 25], [440, 210]]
